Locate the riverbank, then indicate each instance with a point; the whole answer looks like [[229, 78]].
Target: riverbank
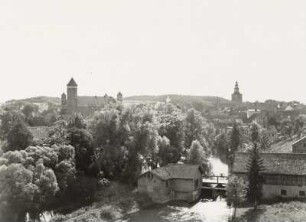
[[277, 212], [111, 204]]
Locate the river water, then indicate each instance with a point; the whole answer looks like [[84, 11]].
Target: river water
[[204, 210]]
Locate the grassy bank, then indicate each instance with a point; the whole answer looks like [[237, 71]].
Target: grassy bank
[[277, 212], [112, 203]]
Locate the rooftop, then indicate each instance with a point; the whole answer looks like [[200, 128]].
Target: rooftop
[[298, 141], [72, 83], [178, 171], [274, 163]]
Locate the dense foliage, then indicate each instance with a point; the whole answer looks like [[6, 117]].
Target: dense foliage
[[30, 179], [117, 143]]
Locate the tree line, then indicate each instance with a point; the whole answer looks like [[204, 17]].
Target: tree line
[[80, 155]]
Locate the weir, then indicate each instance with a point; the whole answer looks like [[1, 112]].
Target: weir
[[214, 186]]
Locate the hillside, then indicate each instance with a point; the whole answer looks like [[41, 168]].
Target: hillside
[[180, 100], [38, 99]]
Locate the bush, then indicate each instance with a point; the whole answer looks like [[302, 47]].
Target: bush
[[110, 213], [144, 201], [83, 189]]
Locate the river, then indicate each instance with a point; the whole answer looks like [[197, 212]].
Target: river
[[204, 210]]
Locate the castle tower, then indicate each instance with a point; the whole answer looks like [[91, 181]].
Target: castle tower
[[72, 96], [119, 97], [63, 99], [236, 96]]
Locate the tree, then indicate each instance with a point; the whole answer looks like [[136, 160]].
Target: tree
[[105, 128], [235, 141], [195, 129], [197, 155], [8, 120], [18, 137], [142, 144], [126, 141], [111, 132], [27, 185], [255, 133], [255, 178], [28, 111], [221, 147], [58, 134], [298, 126], [77, 121], [82, 141], [172, 126], [265, 140], [167, 153], [235, 192]]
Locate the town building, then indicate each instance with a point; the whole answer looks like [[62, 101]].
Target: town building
[[86, 105], [299, 146], [172, 182], [237, 96], [284, 174]]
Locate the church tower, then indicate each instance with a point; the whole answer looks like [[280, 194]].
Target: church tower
[[237, 96], [72, 96]]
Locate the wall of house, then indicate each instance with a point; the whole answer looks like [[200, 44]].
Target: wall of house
[[291, 186], [276, 191], [186, 189], [182, 185], [162, 191], [154, 187], [299, 147]]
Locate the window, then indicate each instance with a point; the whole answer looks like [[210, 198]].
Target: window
[[283, 192], [302, 193], [167, 183]]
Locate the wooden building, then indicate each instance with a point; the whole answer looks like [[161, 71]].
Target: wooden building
[[284, 173], [299, 146], [172, 182]]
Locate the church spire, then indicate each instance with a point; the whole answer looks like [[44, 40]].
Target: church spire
[[236, 96], [236, 87]]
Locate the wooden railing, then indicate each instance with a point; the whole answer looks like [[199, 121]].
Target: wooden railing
[[215, 179]]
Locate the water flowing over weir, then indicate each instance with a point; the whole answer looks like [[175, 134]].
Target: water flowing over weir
[[205, 210]]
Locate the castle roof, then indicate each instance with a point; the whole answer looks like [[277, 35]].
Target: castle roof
[[72, 83], [274, 163]]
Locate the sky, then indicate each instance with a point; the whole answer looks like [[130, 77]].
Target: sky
[[153, 47]]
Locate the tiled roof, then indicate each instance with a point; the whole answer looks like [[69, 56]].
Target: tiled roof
[[176, 171], [72, 83], [274, 163]]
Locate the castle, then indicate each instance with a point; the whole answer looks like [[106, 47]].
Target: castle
[[86, 105], [236, 96]]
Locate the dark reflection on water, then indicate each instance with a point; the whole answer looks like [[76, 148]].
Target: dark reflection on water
[[205, 210]]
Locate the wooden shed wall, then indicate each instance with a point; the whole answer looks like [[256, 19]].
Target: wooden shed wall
[[155, 188]]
